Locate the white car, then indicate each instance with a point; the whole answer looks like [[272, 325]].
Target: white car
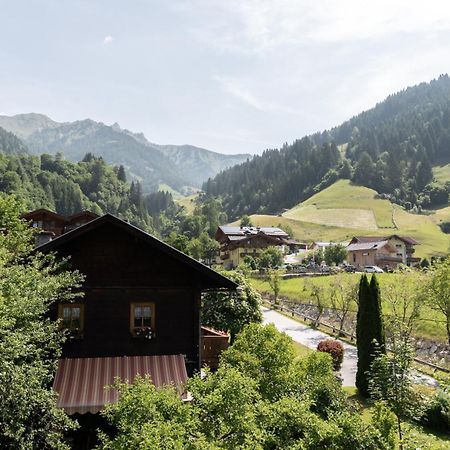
[[373, 269]]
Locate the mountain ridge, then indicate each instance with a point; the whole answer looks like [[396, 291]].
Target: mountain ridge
[[389, 148], [180, 167]]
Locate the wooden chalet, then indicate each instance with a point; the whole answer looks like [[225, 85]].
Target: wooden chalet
[[52, 225], [238, 242], [140, 313], [383, 251]]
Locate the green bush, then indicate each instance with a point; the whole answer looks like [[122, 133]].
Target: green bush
[[437, 413]]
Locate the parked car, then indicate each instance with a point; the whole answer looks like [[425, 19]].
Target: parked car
[[349, 268], [325, 269], [373, 269], [299, 269]]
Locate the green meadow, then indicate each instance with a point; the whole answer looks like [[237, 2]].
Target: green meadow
[[430, 325], [344, 210]]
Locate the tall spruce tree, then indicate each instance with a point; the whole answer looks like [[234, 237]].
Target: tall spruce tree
[[369, 330]]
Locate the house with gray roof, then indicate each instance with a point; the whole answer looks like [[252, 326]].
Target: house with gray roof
[[382, 251], [238, 242]]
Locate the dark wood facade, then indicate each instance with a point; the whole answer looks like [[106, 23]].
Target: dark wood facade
[[123, 266], [57, 224]]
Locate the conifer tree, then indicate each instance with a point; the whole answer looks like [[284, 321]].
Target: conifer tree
[[369, 330]]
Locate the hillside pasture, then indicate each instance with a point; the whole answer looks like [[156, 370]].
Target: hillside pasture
[[343, 195], [344, 210], [343, 218]]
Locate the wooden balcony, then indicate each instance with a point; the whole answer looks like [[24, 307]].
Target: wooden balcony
[[213, 344]]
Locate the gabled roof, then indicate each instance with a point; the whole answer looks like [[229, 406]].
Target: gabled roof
[[236, 242], [243, 231], [36, 212], [84, 213], [406, 239], [214, 279], [371, 245]]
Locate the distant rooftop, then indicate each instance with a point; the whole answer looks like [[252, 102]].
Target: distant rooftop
[[371, 245], [407, 239], [243, 231]]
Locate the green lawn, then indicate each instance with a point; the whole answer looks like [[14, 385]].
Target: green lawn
[[301, 350], [297, 289]]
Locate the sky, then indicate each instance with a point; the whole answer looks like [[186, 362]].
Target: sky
[[233, 76]]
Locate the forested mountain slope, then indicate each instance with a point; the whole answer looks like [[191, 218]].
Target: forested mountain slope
[[152, 164], [65, 187], [10, 144], [390, 148]]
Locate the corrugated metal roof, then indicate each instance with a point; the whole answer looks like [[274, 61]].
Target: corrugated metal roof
[[80, 382]]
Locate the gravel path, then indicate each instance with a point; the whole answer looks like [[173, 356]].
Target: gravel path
[[309, 337]]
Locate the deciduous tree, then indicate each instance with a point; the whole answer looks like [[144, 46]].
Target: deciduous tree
[[29, 342]]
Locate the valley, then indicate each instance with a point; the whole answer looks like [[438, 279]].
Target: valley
[[344, 210]]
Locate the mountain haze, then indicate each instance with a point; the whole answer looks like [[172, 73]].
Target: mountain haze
[[180, 167]]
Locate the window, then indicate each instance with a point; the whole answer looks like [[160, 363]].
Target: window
[[398, 245], [142, 320], [72, 318]]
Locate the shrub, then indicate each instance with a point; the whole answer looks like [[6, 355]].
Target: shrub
[[437, 413], [335, 349]]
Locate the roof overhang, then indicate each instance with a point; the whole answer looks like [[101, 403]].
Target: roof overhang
[[214, 280]]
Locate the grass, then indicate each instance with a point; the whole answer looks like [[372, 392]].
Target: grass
[[424, 437], [306, 231], [301, 350], [343, 210], [344, 195], [344, 218], [188, 202], [431, 325], [442, 173]]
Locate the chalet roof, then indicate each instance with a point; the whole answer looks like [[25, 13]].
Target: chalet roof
[[237, 241], [243, 231], [29, 215], [210, 278], [371, 245], [406, 239], [84, 213]]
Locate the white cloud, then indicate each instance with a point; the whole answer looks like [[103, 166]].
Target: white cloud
[[107, 40], [248, 26]]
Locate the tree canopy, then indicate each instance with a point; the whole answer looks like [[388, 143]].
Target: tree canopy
[[260, 398], [29, 342]]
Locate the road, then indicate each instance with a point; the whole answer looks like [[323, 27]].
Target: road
[[309, 337]]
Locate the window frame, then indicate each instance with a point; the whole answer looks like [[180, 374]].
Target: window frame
[[72, 331], [133, 306]]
